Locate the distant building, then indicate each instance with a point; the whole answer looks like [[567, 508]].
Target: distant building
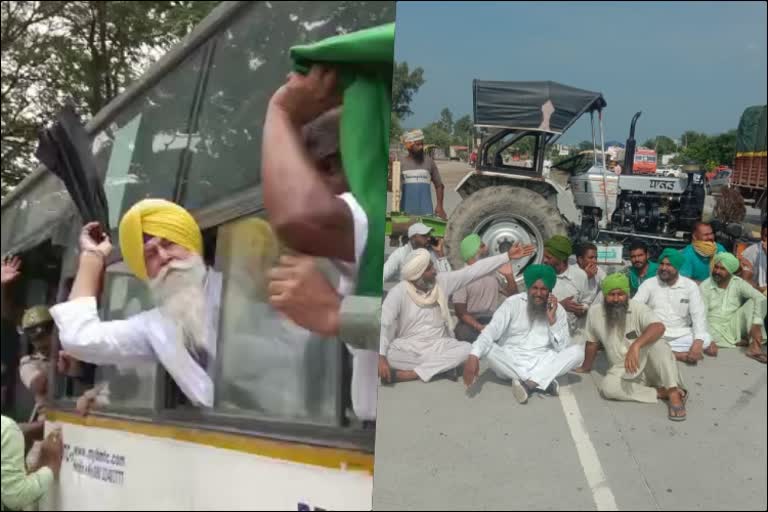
[[665, 159]]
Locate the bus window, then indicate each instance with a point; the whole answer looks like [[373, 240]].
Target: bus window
[[126, 388], [249, 63], [268, 366], [142, 147]]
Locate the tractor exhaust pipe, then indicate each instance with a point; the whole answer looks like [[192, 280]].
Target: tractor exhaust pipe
[[629, 151]]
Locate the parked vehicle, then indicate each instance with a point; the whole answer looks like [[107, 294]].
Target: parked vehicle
[[749, 167], [505, 202]]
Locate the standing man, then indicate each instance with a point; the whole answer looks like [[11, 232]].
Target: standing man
[[643, 368], [572, 283], [735, 310], [418, 238], [416, 325], [419, 170], [641, 268], [476, 303], [697, 256], [676, 300], [527, 340]]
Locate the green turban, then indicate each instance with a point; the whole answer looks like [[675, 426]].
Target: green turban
[[544, 272], [470, 245], [728, 260], [364, 61], [559, 247], [617, 281], [676, 258]]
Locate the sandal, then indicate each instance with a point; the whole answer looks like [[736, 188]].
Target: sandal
[[760, 358], [677, 409]]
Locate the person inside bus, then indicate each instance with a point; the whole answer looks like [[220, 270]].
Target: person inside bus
[[309, 203], [161, 244]]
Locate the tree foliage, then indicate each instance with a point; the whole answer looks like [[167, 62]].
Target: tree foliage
[[87, 51], [709, 151]]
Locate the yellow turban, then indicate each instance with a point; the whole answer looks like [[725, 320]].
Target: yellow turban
[[160, 218]]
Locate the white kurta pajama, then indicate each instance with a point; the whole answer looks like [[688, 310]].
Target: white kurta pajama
[[574, 283], [518, 349], [417, 338], [680, 308]]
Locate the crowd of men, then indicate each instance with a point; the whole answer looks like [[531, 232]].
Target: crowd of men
[[647, 318]]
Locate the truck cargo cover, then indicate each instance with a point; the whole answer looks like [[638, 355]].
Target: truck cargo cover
[[751, 135], [524, 105]]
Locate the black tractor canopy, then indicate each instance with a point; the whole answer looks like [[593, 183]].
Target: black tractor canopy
[[545, 106]]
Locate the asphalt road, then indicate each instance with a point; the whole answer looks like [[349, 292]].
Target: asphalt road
[[441, 447]]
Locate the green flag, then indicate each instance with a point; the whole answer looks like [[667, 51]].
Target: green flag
[[364, 61]]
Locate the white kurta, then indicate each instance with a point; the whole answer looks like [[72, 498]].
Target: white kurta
[[681, 309], [589, 295], [518, 349], [573, 283], [148, 337], [417, 338], [365, 363], [397, 259]]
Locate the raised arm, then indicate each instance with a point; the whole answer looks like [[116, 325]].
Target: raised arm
[[457, 279], [302, 208]]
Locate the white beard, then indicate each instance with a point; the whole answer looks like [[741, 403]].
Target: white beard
[[179, 294]]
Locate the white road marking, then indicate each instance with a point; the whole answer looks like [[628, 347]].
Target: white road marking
[[593, 470]]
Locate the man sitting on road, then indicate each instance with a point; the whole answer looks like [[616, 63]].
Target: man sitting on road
[[697, 256], [476, 303], [533, 341], [643, 368], [418, 238], [572, 285], [641, 269], [735, 310], [676, 300], [755, 254], [416, 325]]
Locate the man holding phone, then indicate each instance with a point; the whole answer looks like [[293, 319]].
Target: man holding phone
[[527, 340]]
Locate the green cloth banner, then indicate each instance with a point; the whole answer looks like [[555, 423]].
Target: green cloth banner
[[364, 60]]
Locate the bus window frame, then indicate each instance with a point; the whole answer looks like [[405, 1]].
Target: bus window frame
[[248, 202]]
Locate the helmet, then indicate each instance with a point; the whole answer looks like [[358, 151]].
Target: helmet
[[35, 316]]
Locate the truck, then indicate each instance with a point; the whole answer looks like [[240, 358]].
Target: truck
[[505, 202], [749, 166]]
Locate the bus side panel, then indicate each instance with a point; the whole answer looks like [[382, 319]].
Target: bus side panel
[[119, 470]]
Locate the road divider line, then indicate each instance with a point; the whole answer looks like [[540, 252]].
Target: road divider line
[[590, 463]]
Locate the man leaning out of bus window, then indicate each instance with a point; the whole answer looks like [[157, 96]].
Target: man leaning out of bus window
[[312, 210], [161, 244]]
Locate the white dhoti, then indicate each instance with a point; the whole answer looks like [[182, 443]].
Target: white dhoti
[[365, 381], [442, 355], [540, 368], [683, 343]]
